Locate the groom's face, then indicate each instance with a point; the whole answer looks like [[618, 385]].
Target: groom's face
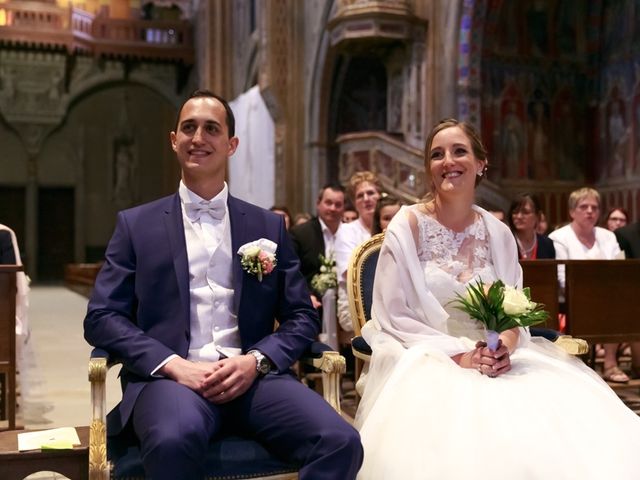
[[201, 141]]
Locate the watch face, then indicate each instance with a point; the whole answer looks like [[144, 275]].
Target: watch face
[[264, 366]]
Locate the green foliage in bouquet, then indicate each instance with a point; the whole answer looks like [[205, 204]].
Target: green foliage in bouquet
[[500, 307]]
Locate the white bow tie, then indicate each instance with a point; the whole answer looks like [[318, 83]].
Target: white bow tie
[[215, 208]]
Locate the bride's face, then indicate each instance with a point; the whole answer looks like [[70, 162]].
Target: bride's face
[[452, 163]]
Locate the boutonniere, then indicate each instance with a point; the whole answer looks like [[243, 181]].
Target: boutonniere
[[258, 257]]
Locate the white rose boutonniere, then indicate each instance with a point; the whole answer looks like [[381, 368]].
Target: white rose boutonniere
[[258, 257]]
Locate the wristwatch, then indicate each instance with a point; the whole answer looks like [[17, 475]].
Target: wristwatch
[[263, 364]]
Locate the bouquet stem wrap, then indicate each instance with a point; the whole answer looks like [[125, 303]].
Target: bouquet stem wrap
[[493, 340]]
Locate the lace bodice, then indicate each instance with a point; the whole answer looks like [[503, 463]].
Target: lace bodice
[[450, 260], [462, 255]]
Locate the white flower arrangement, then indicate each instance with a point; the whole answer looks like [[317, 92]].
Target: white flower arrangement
[[500, 307], [327, 277]]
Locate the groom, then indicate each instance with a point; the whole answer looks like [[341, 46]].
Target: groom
[[195, 327]]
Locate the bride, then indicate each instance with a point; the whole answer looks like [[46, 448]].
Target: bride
[[437, 403]]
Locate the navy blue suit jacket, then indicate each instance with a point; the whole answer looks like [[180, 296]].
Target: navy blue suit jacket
[[139, 310]]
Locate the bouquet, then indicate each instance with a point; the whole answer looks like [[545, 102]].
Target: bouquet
[[500, 307], [327, 277], [259, 257]]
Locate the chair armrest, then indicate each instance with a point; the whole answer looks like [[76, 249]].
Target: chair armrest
[[573, 346], [98, 465], [332, 365]]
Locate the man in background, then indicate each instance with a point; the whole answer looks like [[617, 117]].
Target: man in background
[[317, 236]]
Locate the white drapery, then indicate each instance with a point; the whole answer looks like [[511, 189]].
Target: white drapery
[[252, 167]]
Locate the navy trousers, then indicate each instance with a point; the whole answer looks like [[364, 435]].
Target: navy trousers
[[175, 425]]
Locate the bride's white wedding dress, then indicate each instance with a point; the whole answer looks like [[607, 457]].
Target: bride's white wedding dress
[[424, 417]]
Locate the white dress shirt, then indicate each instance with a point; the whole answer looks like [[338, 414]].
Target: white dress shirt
[[214, 324], [213, 321], [329, 239]]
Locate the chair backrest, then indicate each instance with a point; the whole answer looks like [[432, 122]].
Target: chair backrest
[[360, 276]]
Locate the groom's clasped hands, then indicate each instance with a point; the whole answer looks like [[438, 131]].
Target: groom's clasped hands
[[219, 382]]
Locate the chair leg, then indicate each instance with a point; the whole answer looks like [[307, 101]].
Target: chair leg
[[98, 465], [332, 365]]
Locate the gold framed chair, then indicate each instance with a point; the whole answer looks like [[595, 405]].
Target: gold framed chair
[[360, 277], [228, 458]]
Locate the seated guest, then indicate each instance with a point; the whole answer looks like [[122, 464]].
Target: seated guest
[[523, 217], [543, 224], [301, 218], [616, 218], [582, 240], [7, 252], [188, 297], [350, 214], [499, 214], [629, 241], [364, 190], [438, 403], [284, 211], [10, 255], [317, 236], [386, 209]]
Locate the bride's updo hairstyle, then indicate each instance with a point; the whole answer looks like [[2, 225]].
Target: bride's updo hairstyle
[[479, 150]]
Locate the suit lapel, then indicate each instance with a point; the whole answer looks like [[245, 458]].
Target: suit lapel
[[238, 219], [175, 230]]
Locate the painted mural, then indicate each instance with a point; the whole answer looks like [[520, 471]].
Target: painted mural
[[560, 94]]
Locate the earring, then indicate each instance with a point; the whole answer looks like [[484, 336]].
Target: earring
[[480, 173]]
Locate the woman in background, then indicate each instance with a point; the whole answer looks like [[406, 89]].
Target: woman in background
[[524, 215], [386, 209], [616, 218], [284, 211], [583, 240], [364, 190]]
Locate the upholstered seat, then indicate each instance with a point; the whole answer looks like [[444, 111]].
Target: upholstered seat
[[231, 457]]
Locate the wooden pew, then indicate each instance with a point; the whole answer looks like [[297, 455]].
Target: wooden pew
[[81, 277], [8, 342], [541, 276], [603, 300]]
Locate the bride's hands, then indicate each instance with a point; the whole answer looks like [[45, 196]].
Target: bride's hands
[[491, 363]]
